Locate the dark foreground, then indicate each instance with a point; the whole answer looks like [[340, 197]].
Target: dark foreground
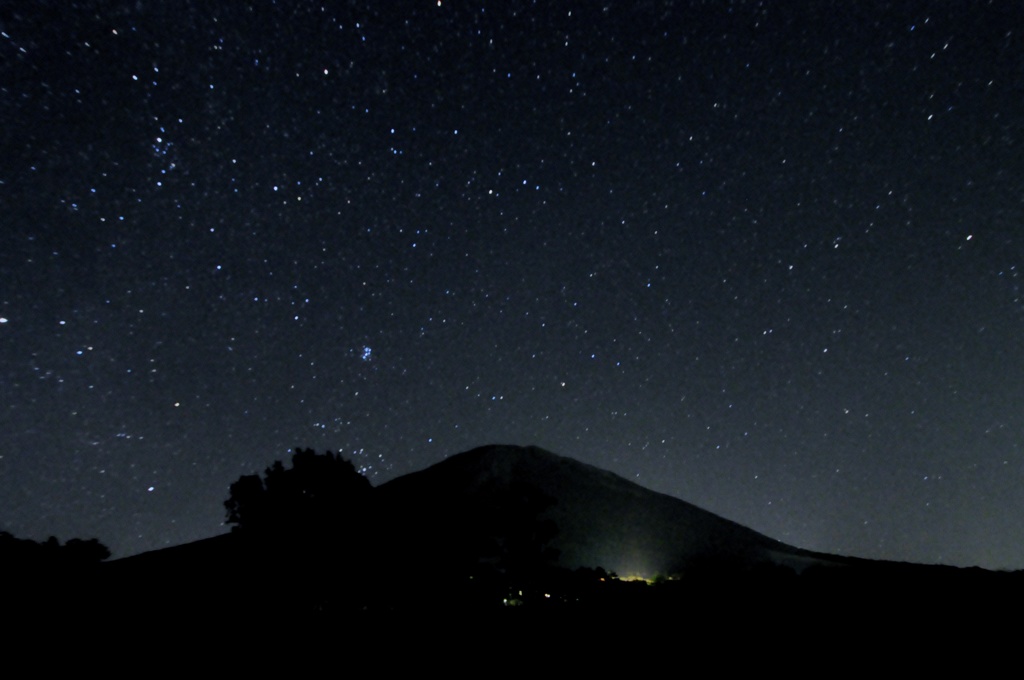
[[246, 603]]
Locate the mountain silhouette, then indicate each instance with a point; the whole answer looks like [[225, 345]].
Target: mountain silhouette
[[508, 528], [601, 519]]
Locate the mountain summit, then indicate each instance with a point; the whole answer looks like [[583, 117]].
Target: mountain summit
[[601, 519]]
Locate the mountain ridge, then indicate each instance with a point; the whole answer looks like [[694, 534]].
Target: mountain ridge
[[603, 519]]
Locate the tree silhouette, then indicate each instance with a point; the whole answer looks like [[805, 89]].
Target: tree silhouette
[[76, 553], [310, 529], [47, 581], [314, 496]]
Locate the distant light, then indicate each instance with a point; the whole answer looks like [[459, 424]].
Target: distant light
[[3, 319]]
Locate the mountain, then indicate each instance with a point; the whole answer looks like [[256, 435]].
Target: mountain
[[423, 545], [600, 519]]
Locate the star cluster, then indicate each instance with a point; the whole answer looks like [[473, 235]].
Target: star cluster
[[762, 257]]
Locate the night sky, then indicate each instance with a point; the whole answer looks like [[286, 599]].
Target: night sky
[[764, 257]]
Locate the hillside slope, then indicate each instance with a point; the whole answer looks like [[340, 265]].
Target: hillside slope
[[601, 518]]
